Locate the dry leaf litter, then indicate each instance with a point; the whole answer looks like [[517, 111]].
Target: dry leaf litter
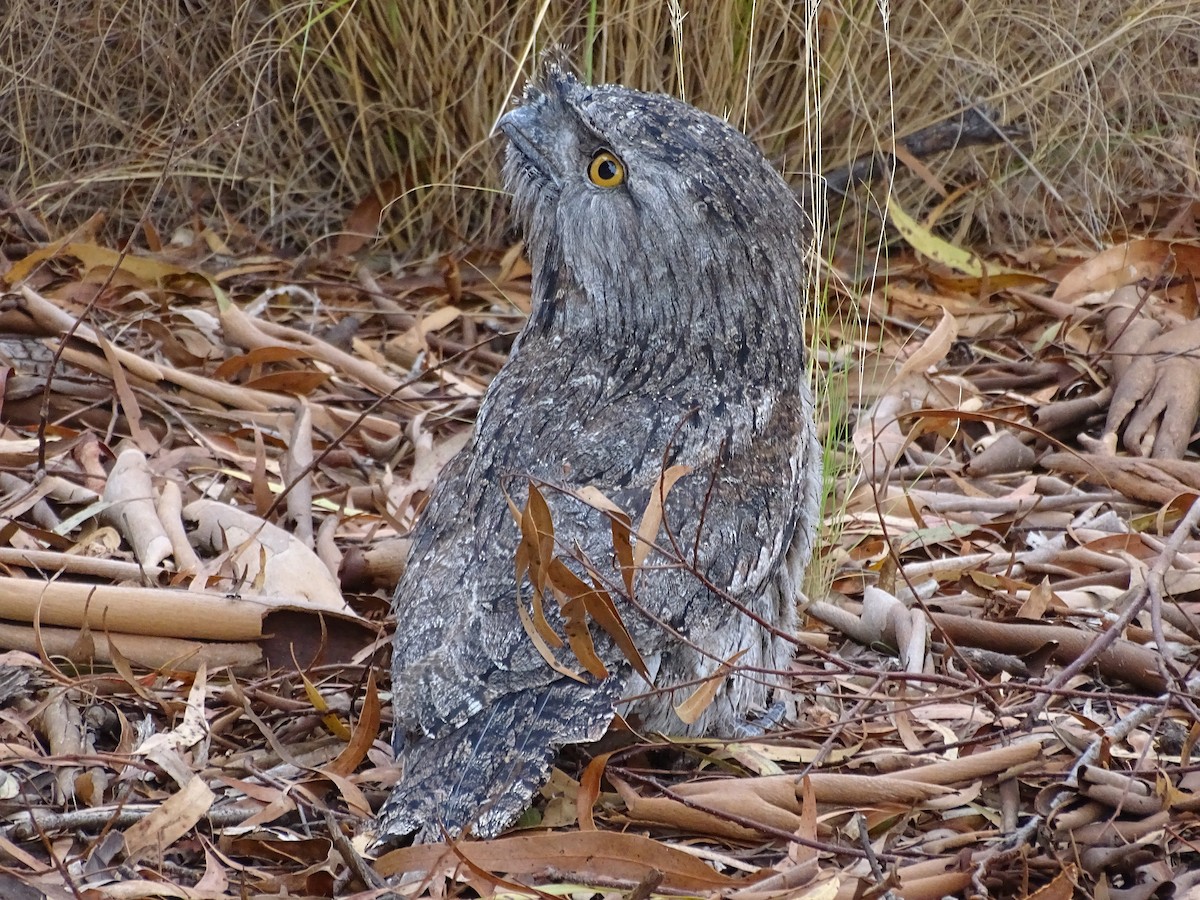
[[211, 455]]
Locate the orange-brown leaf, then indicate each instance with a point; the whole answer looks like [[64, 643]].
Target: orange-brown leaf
[[366, 729], [599, 606], [574, 613], [653, 515], [537, 536], [585, 854], [698, 701]]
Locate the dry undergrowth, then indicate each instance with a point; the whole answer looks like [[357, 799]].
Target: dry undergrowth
[[997, 694], [283, 116]]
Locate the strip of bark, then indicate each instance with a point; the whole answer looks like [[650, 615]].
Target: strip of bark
[[1124, 660], [157, 653]]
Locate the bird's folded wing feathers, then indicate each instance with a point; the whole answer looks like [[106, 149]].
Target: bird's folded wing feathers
[[483, 775]]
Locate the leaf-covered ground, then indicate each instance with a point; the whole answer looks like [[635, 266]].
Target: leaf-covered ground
[[211, 456]]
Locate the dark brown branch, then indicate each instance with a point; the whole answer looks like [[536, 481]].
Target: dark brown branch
[[971, 128]]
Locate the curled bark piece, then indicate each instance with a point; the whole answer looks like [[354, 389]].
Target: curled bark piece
[[1128, 331], [1005, 454], [264, 554], [1159, 394], [130, 495], [374, 566], [1156, 481], [53, 561], [326, 547], [297, 475], [1124, 660], [1073, 413], [157, 652], [170, 511], [21, 497]]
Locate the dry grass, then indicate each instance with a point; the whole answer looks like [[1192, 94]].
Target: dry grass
[[282, 116]]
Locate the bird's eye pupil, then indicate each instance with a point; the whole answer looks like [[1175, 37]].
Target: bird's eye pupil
[[607, 170]]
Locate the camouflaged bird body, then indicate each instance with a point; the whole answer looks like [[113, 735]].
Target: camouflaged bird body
[[666, 331]]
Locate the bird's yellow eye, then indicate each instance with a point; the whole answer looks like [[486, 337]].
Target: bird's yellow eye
[[605, 170]]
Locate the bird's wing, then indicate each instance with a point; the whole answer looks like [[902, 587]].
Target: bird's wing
[[459, 642], [482, 776]]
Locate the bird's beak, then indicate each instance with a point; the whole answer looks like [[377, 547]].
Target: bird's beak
[[520, 120], [526, 134]]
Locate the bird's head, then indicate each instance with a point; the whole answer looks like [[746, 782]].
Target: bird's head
[[644, 210]]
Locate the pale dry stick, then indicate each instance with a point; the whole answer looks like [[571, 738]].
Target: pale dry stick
[[242, 330], [56, 858], [298, 473], [1152, 588], [24, 829], [944, 502], [53, 562], [1166, 666], [864, 838], [1189, 550], [356, 866], [945, 567]]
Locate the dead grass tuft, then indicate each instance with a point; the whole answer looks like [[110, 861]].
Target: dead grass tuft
[[284, 116]]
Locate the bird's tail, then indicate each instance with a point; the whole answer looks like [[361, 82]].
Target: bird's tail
[[482, 776]]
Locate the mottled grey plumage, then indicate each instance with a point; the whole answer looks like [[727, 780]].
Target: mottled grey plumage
[[666, 330]]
